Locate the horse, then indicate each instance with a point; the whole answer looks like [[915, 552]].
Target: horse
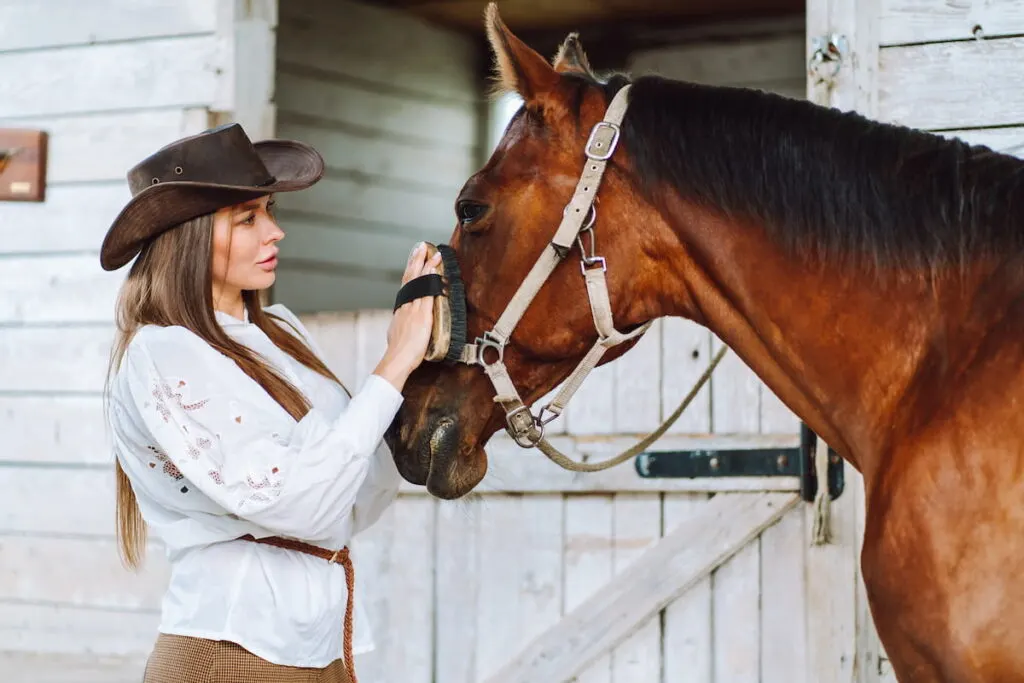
[[871, 275]]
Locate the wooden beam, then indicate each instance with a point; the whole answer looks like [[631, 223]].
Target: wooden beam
[[680, 560], [913, 21], [966, 84]]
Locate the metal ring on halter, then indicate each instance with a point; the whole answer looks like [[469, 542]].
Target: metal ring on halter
[[487, 341], [591, 216]]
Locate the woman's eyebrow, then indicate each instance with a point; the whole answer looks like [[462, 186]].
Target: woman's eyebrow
[[248, 206]]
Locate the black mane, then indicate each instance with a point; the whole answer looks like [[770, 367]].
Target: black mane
[[821, 181]]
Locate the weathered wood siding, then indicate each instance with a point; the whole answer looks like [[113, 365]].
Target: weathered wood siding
[[392, 103], [111, 82]]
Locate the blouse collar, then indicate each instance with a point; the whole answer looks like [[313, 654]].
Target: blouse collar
[[227, 320]]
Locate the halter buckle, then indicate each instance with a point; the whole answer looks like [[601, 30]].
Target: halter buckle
[[524, 428], [602, 148]]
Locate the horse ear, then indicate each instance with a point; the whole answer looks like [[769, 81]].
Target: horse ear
[[571, 58], [520, 68]]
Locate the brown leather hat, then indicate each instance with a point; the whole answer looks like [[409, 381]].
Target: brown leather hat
[[198, 175]]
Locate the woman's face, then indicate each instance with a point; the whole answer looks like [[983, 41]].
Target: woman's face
[[245, 240]]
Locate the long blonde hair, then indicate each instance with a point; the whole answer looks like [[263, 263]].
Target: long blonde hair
[[170, 283]]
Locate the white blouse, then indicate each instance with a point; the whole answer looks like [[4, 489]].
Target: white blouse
[[212, 457]]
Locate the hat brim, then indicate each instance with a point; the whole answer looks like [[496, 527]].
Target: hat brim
[[293, 165]]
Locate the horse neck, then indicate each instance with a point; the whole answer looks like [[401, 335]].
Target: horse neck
[[847, 349]]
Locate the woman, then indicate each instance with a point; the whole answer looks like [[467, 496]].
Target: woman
[[234, 441]]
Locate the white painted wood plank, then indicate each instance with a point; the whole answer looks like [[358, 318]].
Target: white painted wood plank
[[746, 63], [638, 385], [409, 634], [776, 417], [541, 579], [952, 85], [54, 629], [869, 649], [371, 341], [687, 635], [57, 289], [335, 334], [418, 211], [592, 409], [246, 91], [665, 571], [1006, 140], [32, 667], [73, 218], [376, 44], [167, 72], [501, 550], [54, 429], [637, 529], [374, 564], [783, 602], [349, 244], [735, 395], [831, 596], [38, 570], [102, 147], [529, 471], [457, 580], [394, 575], [686, 352], [589, 563], [520, 574], [86, 501], [31, 25], [54, 358], [920, 21], [363, 155], [440, 123], [736, 615]]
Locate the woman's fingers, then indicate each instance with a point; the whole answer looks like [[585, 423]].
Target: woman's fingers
[[415, 263]]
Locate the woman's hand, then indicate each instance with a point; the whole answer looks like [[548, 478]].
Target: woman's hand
[[411, 325]]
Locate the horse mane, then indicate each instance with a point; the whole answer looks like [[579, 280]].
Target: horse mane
[[824, 183]]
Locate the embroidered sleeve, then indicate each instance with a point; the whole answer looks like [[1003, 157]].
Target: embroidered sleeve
[[380, 488], [212, 428]]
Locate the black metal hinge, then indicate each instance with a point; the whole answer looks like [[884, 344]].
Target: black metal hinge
[[747, 462]]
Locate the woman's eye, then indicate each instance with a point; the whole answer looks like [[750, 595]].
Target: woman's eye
[[468, 211]]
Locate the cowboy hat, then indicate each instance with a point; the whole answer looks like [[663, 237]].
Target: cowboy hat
[[198, 175]]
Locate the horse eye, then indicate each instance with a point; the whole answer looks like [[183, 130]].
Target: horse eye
[[469, 211]]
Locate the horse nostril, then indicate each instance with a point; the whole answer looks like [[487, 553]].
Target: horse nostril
[[442, 437]]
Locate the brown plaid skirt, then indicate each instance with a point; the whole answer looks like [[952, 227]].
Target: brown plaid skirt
[[184, 659]]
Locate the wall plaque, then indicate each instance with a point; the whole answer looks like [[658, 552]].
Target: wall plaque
[[22, 165]]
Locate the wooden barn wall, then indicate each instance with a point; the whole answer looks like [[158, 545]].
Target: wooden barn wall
[[393, 105], [110, 81]]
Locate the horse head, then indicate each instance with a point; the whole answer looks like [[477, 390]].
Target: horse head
[[507, 214]]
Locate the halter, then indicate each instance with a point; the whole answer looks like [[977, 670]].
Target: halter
[[578, 217]]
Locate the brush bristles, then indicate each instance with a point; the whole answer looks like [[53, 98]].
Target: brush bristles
[[456, 303]]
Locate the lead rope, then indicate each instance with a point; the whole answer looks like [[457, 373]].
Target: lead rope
[[564, 461], [822, 68]]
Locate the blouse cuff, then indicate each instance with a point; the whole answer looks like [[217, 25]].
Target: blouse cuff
[[376, 404]]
